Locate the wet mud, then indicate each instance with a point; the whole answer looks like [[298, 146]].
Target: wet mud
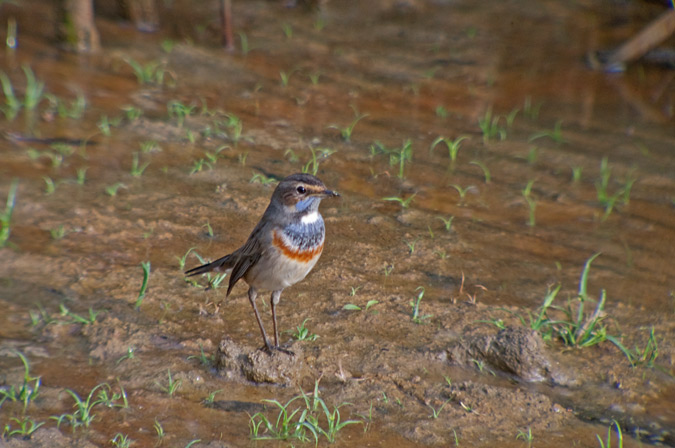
[[417, 321]]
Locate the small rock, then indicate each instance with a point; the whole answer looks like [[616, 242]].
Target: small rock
[[259, 366], [517, 351]]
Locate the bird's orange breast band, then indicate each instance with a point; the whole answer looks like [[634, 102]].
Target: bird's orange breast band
[[302, 256]]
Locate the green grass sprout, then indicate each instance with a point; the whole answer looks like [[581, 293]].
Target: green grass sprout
[[144, 286], [302, 333], [416, 316], [346, 132], [608, 441], [486, 171], [555, 134], [27, 392], [531, 203], [6, 215], [452, 145], [405, 203]]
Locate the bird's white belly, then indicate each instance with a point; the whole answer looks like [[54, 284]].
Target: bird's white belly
[[274, 271]]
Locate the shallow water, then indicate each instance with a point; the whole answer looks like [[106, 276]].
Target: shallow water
[[416, 72]]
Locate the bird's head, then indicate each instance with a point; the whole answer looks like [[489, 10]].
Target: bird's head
[[302, 193]]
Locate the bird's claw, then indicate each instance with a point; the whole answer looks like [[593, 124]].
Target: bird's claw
[[272, 348]]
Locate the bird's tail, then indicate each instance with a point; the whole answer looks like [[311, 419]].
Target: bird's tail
[[220, 265]]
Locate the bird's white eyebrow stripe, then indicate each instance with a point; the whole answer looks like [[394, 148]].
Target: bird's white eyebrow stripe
[[310, 218]]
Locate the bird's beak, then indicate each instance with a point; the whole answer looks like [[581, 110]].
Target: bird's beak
[[329, 194]]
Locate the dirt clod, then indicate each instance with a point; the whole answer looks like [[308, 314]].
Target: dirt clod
[[514, 350], [240, 363]]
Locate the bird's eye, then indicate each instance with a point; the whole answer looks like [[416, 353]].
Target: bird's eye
[[301, 190]]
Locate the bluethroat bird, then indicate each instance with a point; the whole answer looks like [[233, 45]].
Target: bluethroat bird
[[283, 247]]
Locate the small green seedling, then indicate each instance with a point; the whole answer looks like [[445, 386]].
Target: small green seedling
[[132, 113], [486, 171], [128, 355], [74, 318], [352, 307], [84, 415], [462, 192], [608, 441], [12, 104], [112, 189], [647, 356], [34, 89], [27, 427], [208, 401], [285, 77], [74, 110], [531, 110], [346, 132], [528, 437], [411, 245], [452, 145], [137, 168], [243, 42], [499, 323], [511, 117], [490, 127], [299, 423], [447, 223], [576, 173], [6, 215], [314, 77], [401, 156], [179, 111], [288, 30], [149, 146], [209, 229], [531, 203], [29, 389], [312, 166], [159, 429], [261, 178], [50, 185], [437, 412], [302, 333], [555, 134], [153, 72], [354, 290], [416, 316], [183, 259], [106, 124], [172, 386], [81, 176], [145, 265], [532, 155], [405, 203], [388, 268], [204, 359], [121, 441]]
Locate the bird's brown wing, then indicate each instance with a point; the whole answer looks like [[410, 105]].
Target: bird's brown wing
[[220, 265], [246, 256]]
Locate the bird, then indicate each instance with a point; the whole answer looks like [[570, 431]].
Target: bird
[[283, 247]]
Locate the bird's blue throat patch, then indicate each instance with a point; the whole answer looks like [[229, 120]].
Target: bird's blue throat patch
[[306, 236], [304, 204]]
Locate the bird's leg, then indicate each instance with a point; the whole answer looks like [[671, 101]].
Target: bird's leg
[[276, 295], [252, 294], [274, 301]]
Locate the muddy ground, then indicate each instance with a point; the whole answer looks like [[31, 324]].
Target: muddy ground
[[467, 370]]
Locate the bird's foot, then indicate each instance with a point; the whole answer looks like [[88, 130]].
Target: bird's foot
[[272, 348]]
